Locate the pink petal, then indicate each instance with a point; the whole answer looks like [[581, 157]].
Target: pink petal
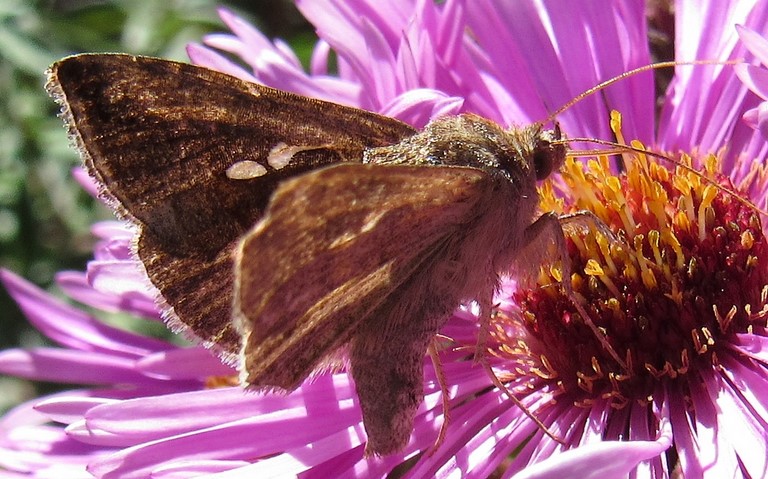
[[118, 231], [711, 451], [66, 409], [71, 406], [186, 469], [288, 53], [755, 43], [22, 415], [319, 61], [68, 366], [206, 57], [600, 460], [742, 414], [75, 285], [73, 328], [704, 102], [249, 43], [247, 439], [119, 278], [752, 345], [755, 78], [380, 60], [418, 107], [85, 181], [153, 418], [751, 117], [183, 363]]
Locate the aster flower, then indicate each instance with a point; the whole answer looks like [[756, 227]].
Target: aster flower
[[693, 379]]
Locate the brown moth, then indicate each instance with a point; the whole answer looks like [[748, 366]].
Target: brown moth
[[285, 232]]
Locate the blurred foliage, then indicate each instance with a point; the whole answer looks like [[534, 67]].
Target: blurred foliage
[[44, 214]]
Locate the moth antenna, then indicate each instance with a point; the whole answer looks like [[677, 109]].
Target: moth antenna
[[619, 148], [611, 81]]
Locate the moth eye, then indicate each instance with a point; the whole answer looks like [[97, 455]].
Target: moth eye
[[548, 154], [542, 163]]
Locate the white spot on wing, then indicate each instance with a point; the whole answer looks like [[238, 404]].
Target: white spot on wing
[[281, 154], [245, 170]]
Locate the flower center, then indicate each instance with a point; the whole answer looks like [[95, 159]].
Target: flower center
[[686, 269]]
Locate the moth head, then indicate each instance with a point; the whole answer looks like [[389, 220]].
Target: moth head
[[548, 153]]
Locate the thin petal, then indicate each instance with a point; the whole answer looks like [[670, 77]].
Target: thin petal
[[85, 181], [73, 328], [71, 406], [206, 57], [418, 107], [152, 418], [754, 42], [713, 453], [75, 285], [69, 366], [319, 61], [740, 425], [183, 363], [186, 469], [704, 103], [605, 459], [118, 231], [755, 78], [246, 439]]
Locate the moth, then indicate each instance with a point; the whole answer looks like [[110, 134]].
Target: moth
[[288, 233]]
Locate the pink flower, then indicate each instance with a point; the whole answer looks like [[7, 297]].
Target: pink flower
[[159, 414]]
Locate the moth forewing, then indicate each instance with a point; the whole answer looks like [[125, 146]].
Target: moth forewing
[[333, 246], [161, 139]]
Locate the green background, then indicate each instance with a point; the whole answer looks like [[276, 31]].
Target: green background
[[44, 215]]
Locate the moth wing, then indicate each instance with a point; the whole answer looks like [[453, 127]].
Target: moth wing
[[333, 246], [159, 137]]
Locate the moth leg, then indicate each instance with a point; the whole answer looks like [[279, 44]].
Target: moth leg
[[484, 315], [497, 382], [444, 393], [536, 240], [585, 219]]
